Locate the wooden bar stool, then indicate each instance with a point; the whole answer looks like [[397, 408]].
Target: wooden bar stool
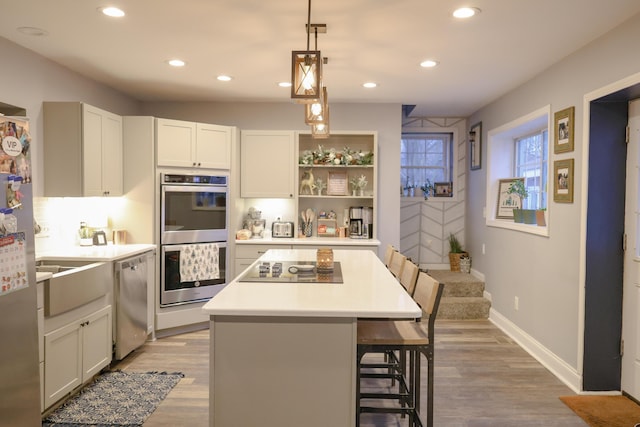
[[406, 336], [388, 254], [409, 276], [397, 263]]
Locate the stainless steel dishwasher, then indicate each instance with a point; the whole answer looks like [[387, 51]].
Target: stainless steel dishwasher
[[131, 305]]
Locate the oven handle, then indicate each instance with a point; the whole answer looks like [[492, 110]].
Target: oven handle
[[204, 188], [179, 247]]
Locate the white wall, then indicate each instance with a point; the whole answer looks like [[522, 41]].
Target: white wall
[[29, 79], [544, 272]]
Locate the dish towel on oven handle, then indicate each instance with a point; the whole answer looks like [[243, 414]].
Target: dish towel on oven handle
[[199, 262]]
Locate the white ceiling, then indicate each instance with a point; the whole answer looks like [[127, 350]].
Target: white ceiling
[[508, 43]]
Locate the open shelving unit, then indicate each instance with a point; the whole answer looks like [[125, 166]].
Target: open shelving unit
[[341, 143]]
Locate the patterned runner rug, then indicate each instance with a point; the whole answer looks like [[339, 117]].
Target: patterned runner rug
[[115, 399]]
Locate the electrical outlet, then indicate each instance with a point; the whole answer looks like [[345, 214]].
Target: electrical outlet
[[516, 303]]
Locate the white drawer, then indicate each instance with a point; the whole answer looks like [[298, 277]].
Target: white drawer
[[256, 251]]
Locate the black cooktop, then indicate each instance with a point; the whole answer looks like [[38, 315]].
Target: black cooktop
[[291, 271]]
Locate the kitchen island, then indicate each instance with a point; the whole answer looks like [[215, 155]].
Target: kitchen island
[[283, 353]]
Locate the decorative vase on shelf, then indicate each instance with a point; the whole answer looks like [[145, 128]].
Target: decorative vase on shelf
[[361, 192]]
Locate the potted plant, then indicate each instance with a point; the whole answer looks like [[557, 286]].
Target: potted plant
[[540, 218], [455, 252], [409, 190], [521, 215], [427, 189]]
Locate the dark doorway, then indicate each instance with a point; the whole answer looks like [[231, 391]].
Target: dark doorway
[[604, 241]]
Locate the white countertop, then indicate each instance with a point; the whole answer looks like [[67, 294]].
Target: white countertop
[[369, 290], [330, 241], [41, 277], [94, 253]]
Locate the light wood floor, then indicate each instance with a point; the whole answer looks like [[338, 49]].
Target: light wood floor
[[482, 379]]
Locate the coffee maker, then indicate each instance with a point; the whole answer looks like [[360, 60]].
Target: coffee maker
[[361, 222]]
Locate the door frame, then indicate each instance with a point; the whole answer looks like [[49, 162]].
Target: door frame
[[623, 90]]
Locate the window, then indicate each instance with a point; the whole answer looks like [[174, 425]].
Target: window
[[520, 148], [426, 156], [531, 160]]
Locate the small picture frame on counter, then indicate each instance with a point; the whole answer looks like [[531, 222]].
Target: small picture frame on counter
[[443, 189], [99, 238]]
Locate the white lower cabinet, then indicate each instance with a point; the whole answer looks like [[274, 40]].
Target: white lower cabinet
[[40, 312], [76, 352]]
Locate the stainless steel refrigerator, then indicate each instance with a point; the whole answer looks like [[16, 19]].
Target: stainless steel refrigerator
[[19, 361]]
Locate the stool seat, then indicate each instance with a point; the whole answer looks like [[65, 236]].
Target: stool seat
[[400, 332]]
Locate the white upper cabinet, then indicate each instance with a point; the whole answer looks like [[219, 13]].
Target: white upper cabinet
[[267, 164], [82, 151], [213, 146], [175, 141], [188, 144], [102, 162]]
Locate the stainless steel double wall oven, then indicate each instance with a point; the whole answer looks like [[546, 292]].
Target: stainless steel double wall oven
[[193, 211]]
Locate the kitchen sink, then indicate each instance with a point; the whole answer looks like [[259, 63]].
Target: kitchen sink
[[74, 283], [53, 268]]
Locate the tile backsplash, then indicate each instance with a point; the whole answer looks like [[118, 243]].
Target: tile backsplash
[[60, 217]]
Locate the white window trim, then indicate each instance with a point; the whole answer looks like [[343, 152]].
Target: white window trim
[[500, 160]]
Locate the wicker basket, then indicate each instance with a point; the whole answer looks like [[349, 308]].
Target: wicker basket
[[454, 260]]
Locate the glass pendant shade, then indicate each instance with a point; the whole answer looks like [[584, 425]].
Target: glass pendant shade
[[306, 74], [320, 131], [317, 111]]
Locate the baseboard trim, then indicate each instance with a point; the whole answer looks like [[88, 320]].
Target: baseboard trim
[[558, 367], [475, 273], [182, 330]]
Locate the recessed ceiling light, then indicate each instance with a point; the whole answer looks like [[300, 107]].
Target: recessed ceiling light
[[113, 12], [176, 62], [429, 63], [369, 85], [466, 12], [224, 78], [284, 84], [33, 31]]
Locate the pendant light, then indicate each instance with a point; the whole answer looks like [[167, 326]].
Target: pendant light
[[318, 111], [306, 71], [320, 131]]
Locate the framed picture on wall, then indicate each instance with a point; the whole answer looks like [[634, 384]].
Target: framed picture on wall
[[563, 181], [563, 130], [475, 146]]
